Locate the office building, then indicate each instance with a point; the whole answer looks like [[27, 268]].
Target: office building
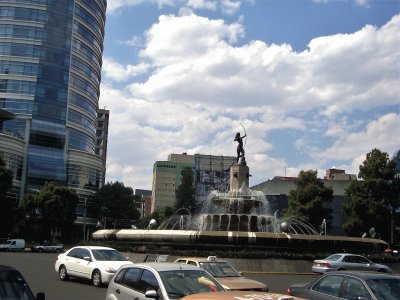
[[210, 172], [277, 190], [50, 72]]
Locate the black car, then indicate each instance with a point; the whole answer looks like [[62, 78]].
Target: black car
[[349, 285], [14, 286]]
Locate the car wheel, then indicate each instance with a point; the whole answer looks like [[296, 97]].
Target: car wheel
[[40, 250], [58, 250], [62, 273], [96, 278]]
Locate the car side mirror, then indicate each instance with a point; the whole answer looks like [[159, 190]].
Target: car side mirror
[[151, 294], [87, 258], [40, 296]]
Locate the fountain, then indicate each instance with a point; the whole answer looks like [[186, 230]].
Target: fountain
[[238, 218]]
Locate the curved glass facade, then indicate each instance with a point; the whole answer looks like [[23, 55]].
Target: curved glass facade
[[50, 72]]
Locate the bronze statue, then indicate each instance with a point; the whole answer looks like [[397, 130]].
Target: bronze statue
[[240, 149]]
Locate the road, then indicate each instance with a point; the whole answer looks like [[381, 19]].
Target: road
[[38, 270]]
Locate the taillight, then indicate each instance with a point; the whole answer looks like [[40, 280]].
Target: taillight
[[289, 292], [322, 264]]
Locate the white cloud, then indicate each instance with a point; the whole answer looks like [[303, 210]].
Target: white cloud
[[119, 72], [202, 85]]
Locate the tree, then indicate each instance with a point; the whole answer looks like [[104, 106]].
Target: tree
[[369, 202], [308, 201], [115, 202], [8, 204], [53, 210], [186, 191]]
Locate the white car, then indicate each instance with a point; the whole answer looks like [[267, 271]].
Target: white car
[[165, 281], [98, 264]]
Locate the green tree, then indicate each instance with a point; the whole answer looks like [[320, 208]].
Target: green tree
[[368, 202], [53, 209], [185, 194], [309, 200], [8, 204], [115, 202]]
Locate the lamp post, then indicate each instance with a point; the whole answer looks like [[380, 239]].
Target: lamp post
[[84, 221]]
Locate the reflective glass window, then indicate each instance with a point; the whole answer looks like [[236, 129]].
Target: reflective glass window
[[17, 105], [15, 49], [19, 31], [14, 127], [84, 67], [81, 119], [81, 141], [18, 68], [82, 102], [84, 86]]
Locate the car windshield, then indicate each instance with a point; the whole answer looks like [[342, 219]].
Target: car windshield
[[385, 288], [13, 286], [180, 283], [219, 269], [333, 257], [108, 255]]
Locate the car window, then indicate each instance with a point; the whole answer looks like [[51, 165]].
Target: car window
[[119, 276], [181, 261], [220, 269], [360, 260], [108, 255], [333, 257], [131, 277], [179, 283], [74, 253], [329, 285], [354, 288], [148, 281], [13, 286], [85, 252], [385, 288], [349, 258], [192, 263]]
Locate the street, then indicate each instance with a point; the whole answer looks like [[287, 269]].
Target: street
[[38, 270]]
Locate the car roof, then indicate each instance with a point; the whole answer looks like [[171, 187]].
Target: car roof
[[201, 259], [365, 275], [6, 268], [94, 247], [164, 266]]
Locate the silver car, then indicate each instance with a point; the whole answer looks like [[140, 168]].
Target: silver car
[[346, 261], [352, 285], [165, 281]]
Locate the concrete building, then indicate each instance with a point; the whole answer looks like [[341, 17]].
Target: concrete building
[[210, 172], [50, 71], [278, 188]]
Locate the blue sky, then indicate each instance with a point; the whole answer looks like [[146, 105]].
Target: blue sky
[[316, 84]]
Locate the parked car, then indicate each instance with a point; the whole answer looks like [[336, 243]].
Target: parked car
[[160, 281], [227, 275], [346, 261], [349, 285], [13, 245], [98, 264], [46, 247], [241, 295], [13, 285]]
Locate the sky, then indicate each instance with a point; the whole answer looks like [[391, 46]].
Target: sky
[[315, 84]]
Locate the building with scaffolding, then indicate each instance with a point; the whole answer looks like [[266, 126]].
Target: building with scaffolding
[[210, 172]]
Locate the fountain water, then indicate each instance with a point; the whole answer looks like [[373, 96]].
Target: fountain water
[[239, 217]]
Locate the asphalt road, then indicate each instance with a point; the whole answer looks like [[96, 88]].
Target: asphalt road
[[38, 270]]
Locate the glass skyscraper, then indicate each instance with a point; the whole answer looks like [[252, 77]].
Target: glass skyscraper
[[50, 64]]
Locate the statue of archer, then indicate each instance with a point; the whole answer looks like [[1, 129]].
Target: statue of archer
[[240, 149]]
